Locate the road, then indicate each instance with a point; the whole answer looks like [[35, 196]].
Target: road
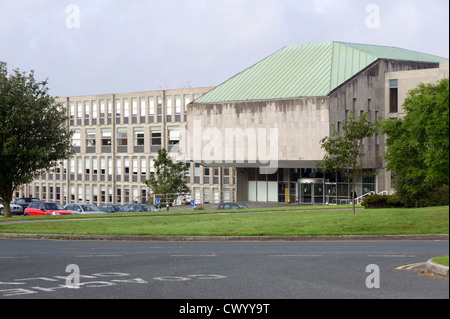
[[38, 269]]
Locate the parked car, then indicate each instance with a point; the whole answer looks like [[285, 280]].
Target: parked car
[[45, 208], [111, 208], [139, 208], [232, 206], [25, 201], [84, 208], [15, 209]]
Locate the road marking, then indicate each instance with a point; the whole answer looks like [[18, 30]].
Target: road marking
[[193, 255], [295, 255], [88, 256], [410, 266], [393, 256]]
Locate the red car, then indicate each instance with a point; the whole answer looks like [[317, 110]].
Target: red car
[[45, 208]]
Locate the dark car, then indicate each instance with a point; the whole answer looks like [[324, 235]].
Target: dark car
[[232, 206], [111, 208], [25, 201], [139, 208]]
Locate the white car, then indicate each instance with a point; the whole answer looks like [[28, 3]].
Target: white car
[[15, 209]]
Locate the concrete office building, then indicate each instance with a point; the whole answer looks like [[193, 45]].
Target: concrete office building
[[275, 113], [116, 139]]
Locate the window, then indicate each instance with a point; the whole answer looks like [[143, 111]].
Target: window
[[72, 110], [122, 137], [151, 109], [94, 165], [174, 136], [87, 109], [169, 109], [79, 112], [135, 165], [106, 137], [152, 164], [143, 165], [119, 165], [118, 107], [126, 108], [134, 107], [102, 165], [177, 108], [102, 109], [139, 136], [126, 165], [76, 138], [156, 139], [393, 96], [159, 106], [109, 108], [143, 106], [87, 162], [94, 110], [90, 137]]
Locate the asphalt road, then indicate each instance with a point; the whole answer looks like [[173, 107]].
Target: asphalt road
[[38, 269]]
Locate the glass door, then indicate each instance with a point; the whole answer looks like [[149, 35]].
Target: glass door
[[306, 195]]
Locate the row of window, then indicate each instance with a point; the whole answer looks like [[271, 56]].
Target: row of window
[[103, 193], [89, 168], [89, 111], [139, 139]]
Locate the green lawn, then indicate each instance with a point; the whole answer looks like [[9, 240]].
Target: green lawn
[[431, 220], [441, 260]]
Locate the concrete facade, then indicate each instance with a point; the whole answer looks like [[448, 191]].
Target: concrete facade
[[116, 140], [286, 134]]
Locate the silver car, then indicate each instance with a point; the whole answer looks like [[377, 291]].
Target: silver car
[[15, 209], [84, 208]]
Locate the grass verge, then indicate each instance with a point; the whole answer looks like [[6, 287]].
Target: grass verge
[[431, 220], [443, 260]]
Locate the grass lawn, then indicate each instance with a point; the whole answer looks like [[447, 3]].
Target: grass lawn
[[441, 260], [431, 220]]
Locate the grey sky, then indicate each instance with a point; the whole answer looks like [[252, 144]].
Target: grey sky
[[141, 45]]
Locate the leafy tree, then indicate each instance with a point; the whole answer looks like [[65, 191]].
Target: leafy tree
[[169, 177], [343, 150], [418, 144], [32, 135]]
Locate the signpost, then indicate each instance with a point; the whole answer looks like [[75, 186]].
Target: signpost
[[158, 202]]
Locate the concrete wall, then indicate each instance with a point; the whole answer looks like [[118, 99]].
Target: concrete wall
[[252, 133]]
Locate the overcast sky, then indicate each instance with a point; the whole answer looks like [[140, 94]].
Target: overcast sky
[[115, 46]]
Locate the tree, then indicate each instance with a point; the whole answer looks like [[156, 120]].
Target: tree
[[343, 151], [32, 135], [170, 177], [418, 144]]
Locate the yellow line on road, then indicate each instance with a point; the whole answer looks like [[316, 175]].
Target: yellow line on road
[[410, 266]]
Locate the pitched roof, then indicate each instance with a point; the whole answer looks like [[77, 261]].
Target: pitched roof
[[306, 70]]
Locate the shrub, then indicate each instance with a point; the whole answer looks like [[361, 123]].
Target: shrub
[[381, 201]]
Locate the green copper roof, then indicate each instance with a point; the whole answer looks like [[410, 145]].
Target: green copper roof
[[313, 69]]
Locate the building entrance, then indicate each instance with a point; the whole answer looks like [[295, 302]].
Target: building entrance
[[316, 192]]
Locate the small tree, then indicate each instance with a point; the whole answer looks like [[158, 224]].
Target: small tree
[[32, 135], [343, 151], [169, 177]]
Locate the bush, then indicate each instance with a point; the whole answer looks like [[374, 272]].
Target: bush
[[438, 196], [381, 201]]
